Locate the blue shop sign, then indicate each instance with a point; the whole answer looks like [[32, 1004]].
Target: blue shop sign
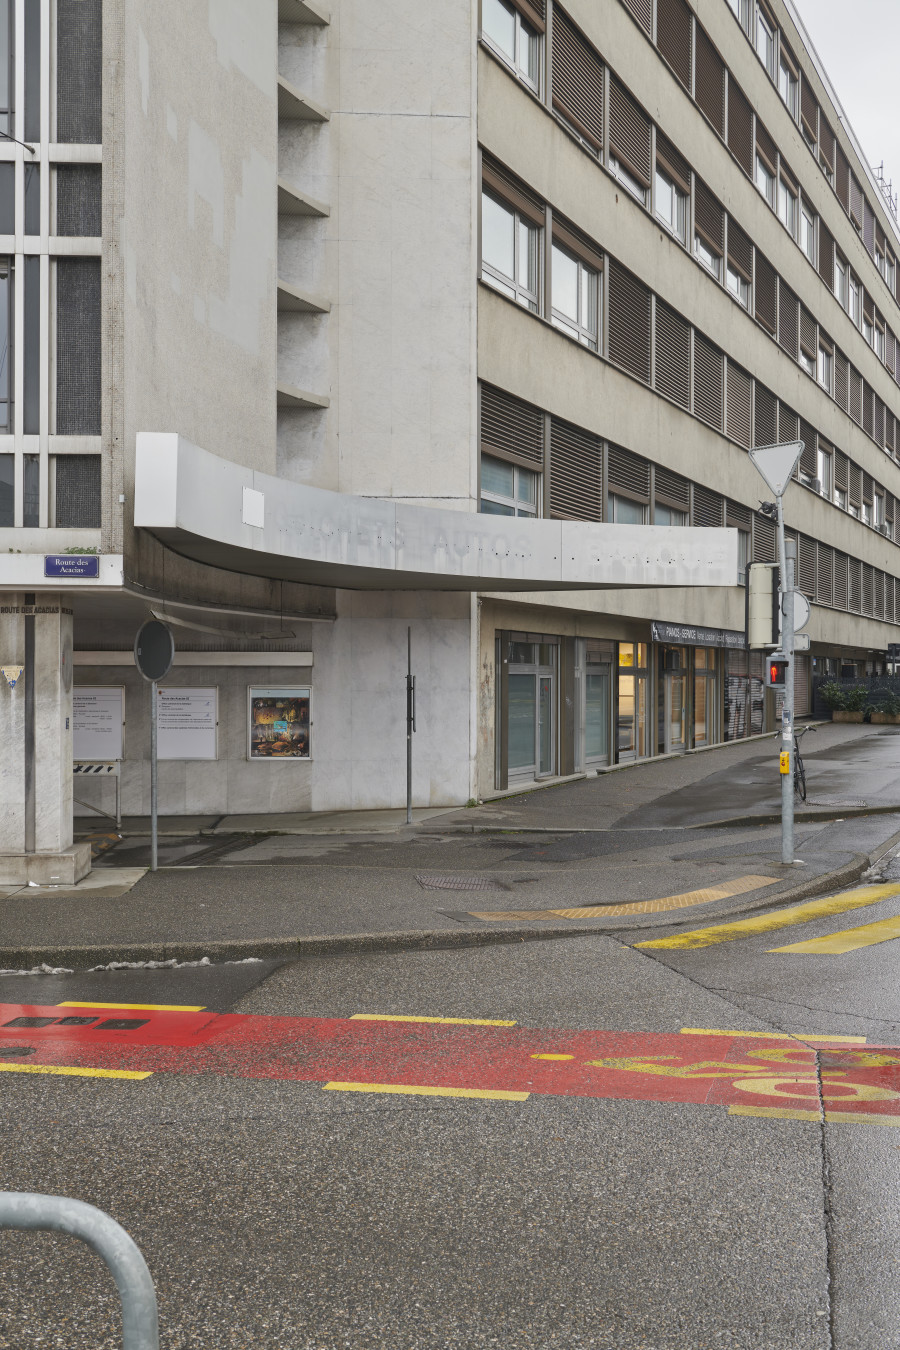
[[71, 565]]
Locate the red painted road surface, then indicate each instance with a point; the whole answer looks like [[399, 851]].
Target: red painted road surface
[[710, 1069]]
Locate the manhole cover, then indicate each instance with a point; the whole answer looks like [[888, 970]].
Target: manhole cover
[[433, 883], [841, 802]]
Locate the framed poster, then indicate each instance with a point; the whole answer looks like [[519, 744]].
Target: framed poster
[[98, 717], [187, 721], [278, 723]]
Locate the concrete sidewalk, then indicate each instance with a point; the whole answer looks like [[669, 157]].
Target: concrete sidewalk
[[626, 850]]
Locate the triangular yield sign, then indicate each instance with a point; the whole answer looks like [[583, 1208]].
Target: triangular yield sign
[[776, 463]]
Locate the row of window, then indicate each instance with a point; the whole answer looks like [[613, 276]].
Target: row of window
[[77, 61], [75, 284], [657, 345], [530, 459], [74, 498]]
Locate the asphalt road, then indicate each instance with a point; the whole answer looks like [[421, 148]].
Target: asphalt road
[[610, 1189]]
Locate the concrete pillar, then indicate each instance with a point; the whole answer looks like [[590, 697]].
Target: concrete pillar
[[36, 744]]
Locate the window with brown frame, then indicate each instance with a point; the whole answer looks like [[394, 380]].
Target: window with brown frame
[[576, 472], [766, 289], [765, 409], [629, 322], [709, 81], [709, 221], [673, 37], [709, 375], [708, 508], [856, 201], [739, 405], [628, 475], [826, 254], [629, 140], [788, 319], [739, 271], [673, 355], [842, 178], [740, 127], [825, 574], [511, 427], [809, 111], [577, 80]]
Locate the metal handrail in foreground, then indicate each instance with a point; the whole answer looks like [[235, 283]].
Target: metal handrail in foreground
[[57, 1213]]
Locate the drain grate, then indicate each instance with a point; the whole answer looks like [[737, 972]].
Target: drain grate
[[835, 801], [429, 882]]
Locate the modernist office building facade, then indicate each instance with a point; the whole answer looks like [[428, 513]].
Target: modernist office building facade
[[324, 320]]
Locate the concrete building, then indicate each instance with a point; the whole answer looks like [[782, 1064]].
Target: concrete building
[[322, 320]]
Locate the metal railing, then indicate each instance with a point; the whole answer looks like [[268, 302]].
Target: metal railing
[[56, 1213]]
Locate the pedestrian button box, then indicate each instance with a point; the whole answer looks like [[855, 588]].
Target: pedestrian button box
[[785, 761]]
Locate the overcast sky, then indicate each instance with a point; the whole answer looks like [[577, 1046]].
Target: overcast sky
[[859, 44]]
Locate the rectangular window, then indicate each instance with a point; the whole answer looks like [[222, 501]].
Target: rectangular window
[[879, 342], [808, 234], [7, 491], [788, 88], [879, 258], [510, 252], [879, 509], [667, 515], [840, 280], [32, 199], [7, 70], [6, 332], [671, 205], [576, 292], [868, 330], [889, 271], [32, 346], [742, 12], [704, 254], [840, 498], [808, 362], [32, 35], [765, 42], [623, 511], [787, 207], [866, 513], [826, 369], [765, 181], [738, 286], [507, 490], [628, 180], [824, 470], [508, 34], [855, 301], [31, 496]]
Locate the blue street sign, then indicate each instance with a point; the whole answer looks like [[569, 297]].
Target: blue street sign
[[71, 565]]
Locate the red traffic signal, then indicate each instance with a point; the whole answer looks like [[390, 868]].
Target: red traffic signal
[[776, 668]]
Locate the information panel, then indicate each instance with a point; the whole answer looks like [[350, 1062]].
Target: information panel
[[278, 723], [98, 713], [187, 720]]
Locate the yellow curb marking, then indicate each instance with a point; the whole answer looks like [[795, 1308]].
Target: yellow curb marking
[[831, 1117], [781, 918], [451, 1021], [69, 1072], [739, 886], [849, 940], [552, 1056], [771, 1035], [145, 1007], [411, 1090]]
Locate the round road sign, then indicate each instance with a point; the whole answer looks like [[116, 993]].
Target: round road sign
[[154, 650]]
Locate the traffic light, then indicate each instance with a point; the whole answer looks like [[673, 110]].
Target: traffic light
[[776, 668]]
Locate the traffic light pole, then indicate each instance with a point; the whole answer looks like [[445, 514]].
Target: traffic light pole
[[786, 557]]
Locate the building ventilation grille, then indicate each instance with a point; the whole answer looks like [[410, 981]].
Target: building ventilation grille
[[77, 492], [78, 200], [78, 363], [79, 48]]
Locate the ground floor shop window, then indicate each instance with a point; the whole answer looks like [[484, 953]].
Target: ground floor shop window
[[704, 695], [594, 665], [632, 720], [531, 713]]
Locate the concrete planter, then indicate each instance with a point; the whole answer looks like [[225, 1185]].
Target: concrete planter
[[883, 719], [837, 716]]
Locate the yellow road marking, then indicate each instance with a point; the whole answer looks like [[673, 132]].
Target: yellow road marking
[[849, 940], [144, 1007], [771, 1035], [739, 886], [831, 1117], [552, 1056], [74, 1072], [781, 918], [456, 1021], [414, 1090]]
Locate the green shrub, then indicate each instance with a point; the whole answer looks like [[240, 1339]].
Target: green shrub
[[833, 696], [856, 699], [886, 701]]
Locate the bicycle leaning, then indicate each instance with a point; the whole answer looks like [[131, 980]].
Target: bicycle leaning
[[799, 770]]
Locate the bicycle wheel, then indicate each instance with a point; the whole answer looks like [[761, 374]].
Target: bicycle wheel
[[799, 777]]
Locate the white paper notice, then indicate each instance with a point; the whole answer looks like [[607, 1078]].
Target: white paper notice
[[186, 722], [97, 716]]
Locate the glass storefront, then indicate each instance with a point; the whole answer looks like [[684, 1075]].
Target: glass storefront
[[531, 713], [632, 720]]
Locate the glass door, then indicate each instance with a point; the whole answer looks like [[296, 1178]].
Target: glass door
[[676, 712], [531, 713], [545, 728], [522, 710]]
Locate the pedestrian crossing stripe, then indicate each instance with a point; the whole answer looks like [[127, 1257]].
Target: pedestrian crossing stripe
[[849, 940], [779, 918], [721, 891]]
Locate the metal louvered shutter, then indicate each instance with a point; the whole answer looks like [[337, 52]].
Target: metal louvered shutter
[[501, 180], [77, 493], [739, 405], [841, 598], [809, 332], [577, 79], [855, 407], [856, 200], [709, 217], [708, 381], [766, 293], [841, 380], [79, 71], [740, 127], [801, 685], [842, 178], [868, 226], [826, 255], [709, 81], [868, 598], [643, 12], [737, 516], [628, 474], [672, 490], [673, 355], [673, 37], [808, 455], [868, 418], [740, 250], [841, 470], [806, 565], [763, 539], [824, 574], [510, 425], [629, 131], [629, 322], [78, 354], [788, 423], [766, 146], [878, 597], [788, 319], [854, 483], [576, 473], [709, 508], [809, 108], [673, 162], [878, 428], [765, 431], [827, 142]]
